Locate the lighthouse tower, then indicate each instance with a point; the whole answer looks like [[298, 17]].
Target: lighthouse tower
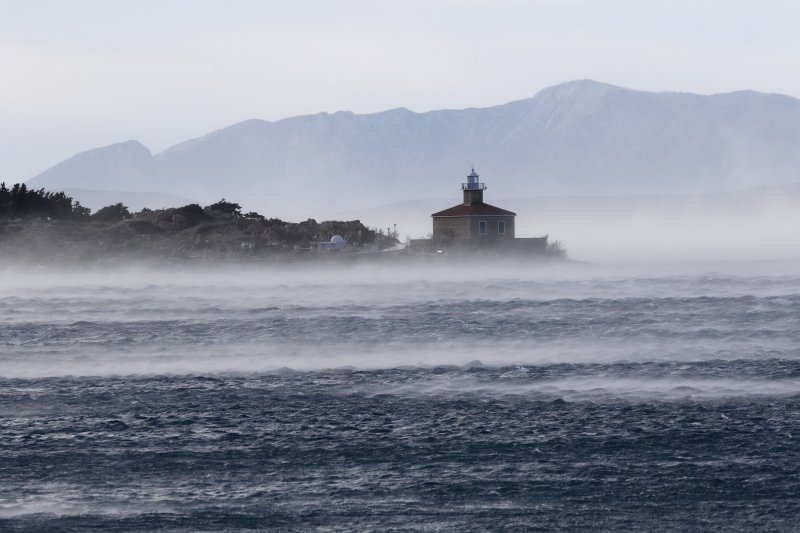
[[473, 219], [473, 189]]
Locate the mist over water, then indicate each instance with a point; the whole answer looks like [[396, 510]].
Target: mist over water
[[447, 396], [152, 322], [741, 226]]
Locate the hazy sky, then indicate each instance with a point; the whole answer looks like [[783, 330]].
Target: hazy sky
[[77, 74]]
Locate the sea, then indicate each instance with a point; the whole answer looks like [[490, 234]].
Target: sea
[[442, 397]]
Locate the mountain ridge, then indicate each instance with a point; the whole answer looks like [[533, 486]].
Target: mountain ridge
[[578, 137]]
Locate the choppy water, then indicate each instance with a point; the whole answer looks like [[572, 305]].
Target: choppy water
[[663, 400]]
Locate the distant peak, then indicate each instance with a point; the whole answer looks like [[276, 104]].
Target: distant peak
[[251, 122], [132, 146], [244, 125], [96, 168], [582, 87], [587, 83]]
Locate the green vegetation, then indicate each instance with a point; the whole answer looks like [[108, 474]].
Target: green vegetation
[[46, 226], [229, 208], [51, 227], [112, 213], [21, 202], [192, 214]]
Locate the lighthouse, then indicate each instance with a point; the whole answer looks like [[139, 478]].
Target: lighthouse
[[473, 219]]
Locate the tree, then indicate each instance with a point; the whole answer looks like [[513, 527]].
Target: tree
[[556, 249], [19, 201], [112, 213], [5, 199], [193, 213], [252, 215], [229, 208], [79, 212], [60, 206]]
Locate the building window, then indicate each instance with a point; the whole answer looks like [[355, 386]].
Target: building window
[[482, 227], [501, 227]]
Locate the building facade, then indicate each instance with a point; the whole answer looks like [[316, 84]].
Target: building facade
[[473, 219]]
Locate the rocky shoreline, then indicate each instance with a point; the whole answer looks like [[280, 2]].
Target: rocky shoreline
[[188, 234], [39, 229]]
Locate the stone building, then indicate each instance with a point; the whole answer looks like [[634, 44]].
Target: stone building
[[473, 220]]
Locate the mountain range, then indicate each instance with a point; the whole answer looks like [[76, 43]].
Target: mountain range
[[578, 138]]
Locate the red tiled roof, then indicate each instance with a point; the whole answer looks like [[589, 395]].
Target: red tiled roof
[[477, 209]]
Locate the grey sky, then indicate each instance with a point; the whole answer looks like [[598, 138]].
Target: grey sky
[[81, 74]]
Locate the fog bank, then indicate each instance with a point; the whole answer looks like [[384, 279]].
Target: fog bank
[[752, 225]]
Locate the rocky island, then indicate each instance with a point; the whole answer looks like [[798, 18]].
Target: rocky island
[[43, 228]]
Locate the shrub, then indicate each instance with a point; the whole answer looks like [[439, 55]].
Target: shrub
[[193, 213], [112, 213]]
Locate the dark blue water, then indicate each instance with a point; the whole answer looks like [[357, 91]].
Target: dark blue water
[[375, 401]]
